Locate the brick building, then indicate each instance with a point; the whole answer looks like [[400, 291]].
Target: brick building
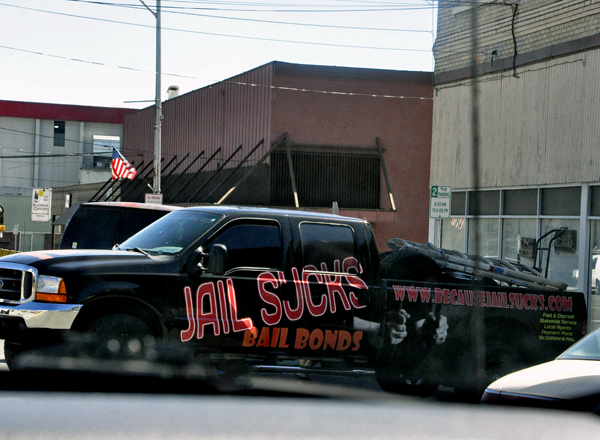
[[340, 125]]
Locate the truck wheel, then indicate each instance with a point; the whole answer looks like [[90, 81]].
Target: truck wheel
[[121, 335], [397, 383], [11, 352], [394, 374], [406, 264]]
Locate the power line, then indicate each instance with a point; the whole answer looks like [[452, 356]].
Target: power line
[[214, 34], [33, 52], [386, 8], [329, 92], [328, 26]]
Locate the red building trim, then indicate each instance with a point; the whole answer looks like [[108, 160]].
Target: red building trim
[[63, 112]]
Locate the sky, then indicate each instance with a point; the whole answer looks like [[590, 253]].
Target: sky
[[103, 53]]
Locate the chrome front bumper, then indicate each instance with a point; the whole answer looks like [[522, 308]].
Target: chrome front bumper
[[43, 315]]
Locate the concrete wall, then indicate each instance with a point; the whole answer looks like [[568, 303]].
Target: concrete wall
[[35, 137], [540, 128]]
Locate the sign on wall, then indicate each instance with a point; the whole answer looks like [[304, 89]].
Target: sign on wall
[[41, 203], [155, 199], [439, 205]]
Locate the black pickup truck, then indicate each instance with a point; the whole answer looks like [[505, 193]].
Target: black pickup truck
[[268, 287]]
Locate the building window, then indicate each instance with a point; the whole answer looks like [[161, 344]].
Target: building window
[[594, 280], [507, 223], [458, 204], [102, 151], [59, 133], [483, 236], [520, 202], [561, 201], [518, 239], [352, 180], [484, 203], [564, 257]]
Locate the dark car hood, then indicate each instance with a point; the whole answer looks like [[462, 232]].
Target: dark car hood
[[84, 260]]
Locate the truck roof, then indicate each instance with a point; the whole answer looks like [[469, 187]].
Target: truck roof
[[259, 211], [136, 205]]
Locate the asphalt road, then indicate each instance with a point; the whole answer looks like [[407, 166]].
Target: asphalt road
[[367, 382]]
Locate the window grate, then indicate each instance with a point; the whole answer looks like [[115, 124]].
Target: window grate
[[321, 179]]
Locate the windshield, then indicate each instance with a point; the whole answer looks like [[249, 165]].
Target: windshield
[[588, 348], [172, 233]]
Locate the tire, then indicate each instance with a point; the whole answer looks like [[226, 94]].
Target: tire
[[121, 336], [393, 382], [403, 370], [406, 264], [11, 353]]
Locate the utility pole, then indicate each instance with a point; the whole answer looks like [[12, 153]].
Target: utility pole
[[158, 103], [158, 124]]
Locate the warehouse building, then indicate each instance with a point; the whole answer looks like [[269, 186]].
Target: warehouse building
[[302, 136]]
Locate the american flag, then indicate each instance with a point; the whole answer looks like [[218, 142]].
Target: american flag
[[121, 168]]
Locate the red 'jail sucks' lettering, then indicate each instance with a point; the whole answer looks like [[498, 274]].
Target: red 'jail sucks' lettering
[[207, 308], [215, 306]]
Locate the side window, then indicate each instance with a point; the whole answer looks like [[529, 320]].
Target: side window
[[95, 229], [135, 222], [323, 244], [252, 245]]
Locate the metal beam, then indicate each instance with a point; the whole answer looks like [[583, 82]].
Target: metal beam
[[183, 172], [142, 178], [204, 165], [385, 174], [292, 175], [239, 165], [274, 145], [215, 173]]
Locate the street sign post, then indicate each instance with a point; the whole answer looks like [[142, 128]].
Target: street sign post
[[439, 206]]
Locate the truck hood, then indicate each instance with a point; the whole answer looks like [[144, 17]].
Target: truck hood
[[86, 261]]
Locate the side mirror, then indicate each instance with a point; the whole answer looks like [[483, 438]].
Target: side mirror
[[194, 264], [217, 259]]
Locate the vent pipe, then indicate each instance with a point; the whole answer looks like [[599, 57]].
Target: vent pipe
[[172, 92]]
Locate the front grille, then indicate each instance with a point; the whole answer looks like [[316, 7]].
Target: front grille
[[16, 282]]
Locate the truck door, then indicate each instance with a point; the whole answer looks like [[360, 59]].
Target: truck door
[[224, 311], [333, 292]]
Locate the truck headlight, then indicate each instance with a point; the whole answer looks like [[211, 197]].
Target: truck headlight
[[50, 289]]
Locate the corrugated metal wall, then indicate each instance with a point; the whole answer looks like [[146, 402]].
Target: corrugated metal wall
[[540, 128], [227, 114]]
